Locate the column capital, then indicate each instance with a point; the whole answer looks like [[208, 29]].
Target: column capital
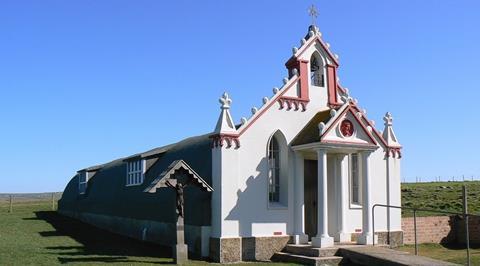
[[321, 151], [366, 153]]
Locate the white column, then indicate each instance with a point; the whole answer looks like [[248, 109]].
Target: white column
[[322, 239], [366, 237], [341, 198], [299, 208]]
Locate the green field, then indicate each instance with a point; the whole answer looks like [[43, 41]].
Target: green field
[[35, 235], [445, 196], [453, 253]]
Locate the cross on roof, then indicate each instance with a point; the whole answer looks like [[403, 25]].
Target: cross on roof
[[313, 12]]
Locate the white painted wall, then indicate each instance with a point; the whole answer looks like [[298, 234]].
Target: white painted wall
[[240, 205]]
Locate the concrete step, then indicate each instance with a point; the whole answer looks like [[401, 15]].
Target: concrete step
[[310, 251], [306, 260]]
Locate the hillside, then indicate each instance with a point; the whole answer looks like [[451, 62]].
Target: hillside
[[446, 196]]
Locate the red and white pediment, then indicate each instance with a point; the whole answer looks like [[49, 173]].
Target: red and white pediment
[[347, 127]]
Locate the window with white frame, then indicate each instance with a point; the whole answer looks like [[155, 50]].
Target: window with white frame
[[82, 182], [355, 191], [135, 172], [274, 170]]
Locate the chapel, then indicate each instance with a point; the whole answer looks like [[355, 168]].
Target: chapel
[[305, 167]]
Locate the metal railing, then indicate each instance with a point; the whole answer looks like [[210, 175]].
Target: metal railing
[[465, 214]]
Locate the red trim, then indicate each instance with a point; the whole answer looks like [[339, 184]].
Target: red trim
[[296, 102], [332, 85], [349, 109], [342, 90], [394, 151], [306, 46], [218, 140], [260, 113], [303, 64], [277, 233]]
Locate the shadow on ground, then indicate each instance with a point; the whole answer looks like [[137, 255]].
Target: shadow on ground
[[97, 245]]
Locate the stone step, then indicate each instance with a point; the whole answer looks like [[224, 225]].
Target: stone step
[[306, 260], [310, 251]]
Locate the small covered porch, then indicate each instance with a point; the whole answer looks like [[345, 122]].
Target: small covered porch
[[333, 178], [330, 179]]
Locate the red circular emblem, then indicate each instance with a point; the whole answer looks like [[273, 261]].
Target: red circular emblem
[[346, 127]]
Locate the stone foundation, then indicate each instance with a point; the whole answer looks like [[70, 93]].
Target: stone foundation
[[235, 249], [396, 238]]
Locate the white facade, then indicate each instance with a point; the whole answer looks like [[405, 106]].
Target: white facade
[[256, 196]]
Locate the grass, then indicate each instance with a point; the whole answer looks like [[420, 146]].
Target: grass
[[445, 196], [451, 253], [35, 235]]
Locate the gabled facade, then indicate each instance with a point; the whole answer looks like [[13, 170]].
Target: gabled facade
[[308, 165]]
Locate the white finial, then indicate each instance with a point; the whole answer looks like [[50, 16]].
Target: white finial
[[302, 41], [336, 56], [285, 80], [265, 100], [388, 118], [355, 101], [328, 45], [225, 122], [254, 110], [225, 101], [388, 133], [243, 120], [369, 128], [359, 114], [295, 71], [364, 111], [333, 112], [310, 33], [346, 91], [319, 33], [275, 90], [294, 50], [321, 127], [372, 122]]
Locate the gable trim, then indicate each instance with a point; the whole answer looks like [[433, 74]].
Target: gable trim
[[348, 109]]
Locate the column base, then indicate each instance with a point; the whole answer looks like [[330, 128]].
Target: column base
[[343, 237], [300, 239], [180, 253], [366, 239], [322, 242]]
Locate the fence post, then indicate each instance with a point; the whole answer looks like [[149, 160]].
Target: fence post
[[11, 204], [53, 201], [465, 218], [415, 230], [373, 225]]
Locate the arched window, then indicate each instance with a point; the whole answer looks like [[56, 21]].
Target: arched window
[[274, 170], [317, 77]]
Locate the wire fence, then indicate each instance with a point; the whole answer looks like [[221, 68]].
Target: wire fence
[[426, 179], [10, 202]]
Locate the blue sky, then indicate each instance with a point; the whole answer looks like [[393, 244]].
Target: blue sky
[[85, 82]]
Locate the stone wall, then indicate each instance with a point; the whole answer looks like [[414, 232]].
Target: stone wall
[[235, 249], [473, 229], [433, 229]]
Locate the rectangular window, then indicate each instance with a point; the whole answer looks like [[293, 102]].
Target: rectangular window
[[82, 182], [135, 172], [355, 179]]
